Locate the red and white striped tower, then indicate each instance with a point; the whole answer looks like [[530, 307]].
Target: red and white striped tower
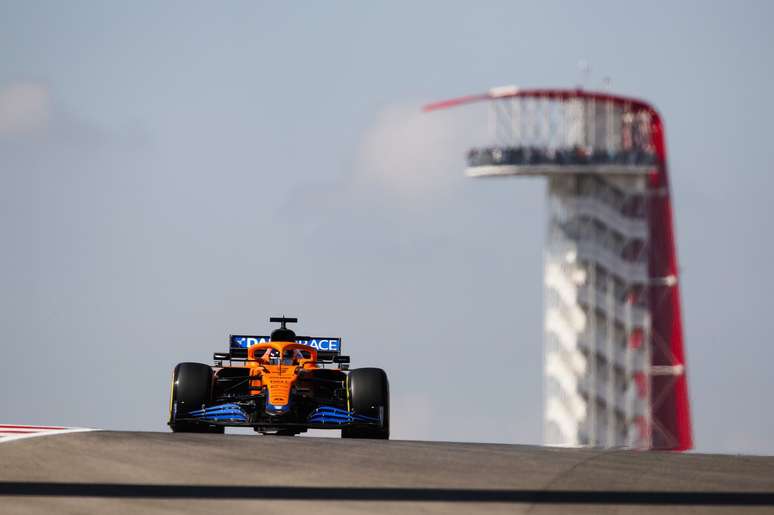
[[615, 372]]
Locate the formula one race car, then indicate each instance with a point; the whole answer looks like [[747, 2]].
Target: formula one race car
[[280, 384]]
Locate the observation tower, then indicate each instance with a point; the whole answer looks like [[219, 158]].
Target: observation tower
[[614, 366]]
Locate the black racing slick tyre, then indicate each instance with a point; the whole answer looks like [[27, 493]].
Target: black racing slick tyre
[[369, 394], [191, 389]]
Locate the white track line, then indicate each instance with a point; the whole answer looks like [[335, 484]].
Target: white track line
[[13, 432]]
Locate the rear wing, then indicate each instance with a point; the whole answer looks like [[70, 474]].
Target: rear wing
[[327, 347]]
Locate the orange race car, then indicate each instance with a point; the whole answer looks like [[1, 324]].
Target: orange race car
[[282, 384]]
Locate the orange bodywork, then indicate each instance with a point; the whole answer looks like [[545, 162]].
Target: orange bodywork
[[278, 378]]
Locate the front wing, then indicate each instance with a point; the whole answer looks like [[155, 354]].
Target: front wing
[[322, 417]]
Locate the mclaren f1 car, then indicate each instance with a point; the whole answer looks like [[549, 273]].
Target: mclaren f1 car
[[281, 384]]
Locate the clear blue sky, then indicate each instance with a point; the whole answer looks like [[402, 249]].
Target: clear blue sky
[[171, 172]]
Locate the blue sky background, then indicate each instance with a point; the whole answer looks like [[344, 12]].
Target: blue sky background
[[172, 172]]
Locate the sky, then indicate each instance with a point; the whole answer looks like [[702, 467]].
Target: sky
[[174, 172]]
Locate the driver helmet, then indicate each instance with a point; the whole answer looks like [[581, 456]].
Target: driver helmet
[[289, 357], [272, 356]]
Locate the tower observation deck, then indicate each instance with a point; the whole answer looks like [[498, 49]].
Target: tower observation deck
[[614, 366]]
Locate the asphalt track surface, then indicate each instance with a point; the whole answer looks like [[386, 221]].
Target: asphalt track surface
[[127, 472]]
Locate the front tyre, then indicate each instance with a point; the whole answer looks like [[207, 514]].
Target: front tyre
[[191, 389], [369, 394]]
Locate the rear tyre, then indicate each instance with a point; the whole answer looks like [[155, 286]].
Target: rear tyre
[[191, 389], [369, 394]]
